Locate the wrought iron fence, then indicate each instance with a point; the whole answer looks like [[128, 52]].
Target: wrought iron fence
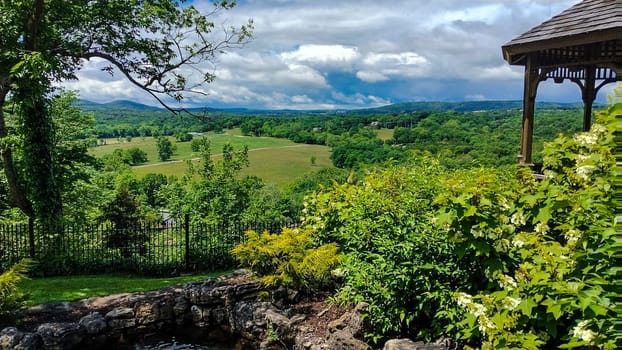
[[151, 249]]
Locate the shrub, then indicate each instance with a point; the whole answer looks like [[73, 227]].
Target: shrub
[[11, 298], [394, 259], [548, 247], [290, 258]]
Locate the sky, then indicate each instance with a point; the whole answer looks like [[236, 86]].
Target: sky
[[343, 54]]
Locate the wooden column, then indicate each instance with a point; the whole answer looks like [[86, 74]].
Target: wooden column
[[532, 79], [588, 93]]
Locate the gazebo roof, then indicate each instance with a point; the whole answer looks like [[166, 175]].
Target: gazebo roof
[[588, 22]]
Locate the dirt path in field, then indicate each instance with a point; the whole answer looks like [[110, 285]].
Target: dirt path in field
[[214, 155]]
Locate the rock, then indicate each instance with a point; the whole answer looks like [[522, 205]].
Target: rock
[[154, 311], [121, 323], [350, 321], [61, 336], [344, 340], [94, 323], [120, 312], [407, 344], [402, 344], [30, 341], [197, 316], [9, 337]]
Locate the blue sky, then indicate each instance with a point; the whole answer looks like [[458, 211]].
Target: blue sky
[[361, 53]]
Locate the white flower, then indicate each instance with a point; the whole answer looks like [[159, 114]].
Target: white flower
[[598, 129], [585, 171], [464, 299], [572, 236], [581, 331], [510, 303], [507, 282], [586, 139], [517, 242], [485, 324], [542, 227], [518, 218], [477, 232]]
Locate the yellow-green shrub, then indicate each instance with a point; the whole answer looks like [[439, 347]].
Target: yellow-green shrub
[[11, 297], [290, 258]]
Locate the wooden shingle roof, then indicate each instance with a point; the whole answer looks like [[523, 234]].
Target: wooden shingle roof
[[590, 21]]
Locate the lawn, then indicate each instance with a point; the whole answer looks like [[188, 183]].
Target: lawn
[[183, 152], [71, 288], [278, 161]]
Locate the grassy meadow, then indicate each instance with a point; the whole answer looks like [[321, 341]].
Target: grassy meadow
[[278, 161]]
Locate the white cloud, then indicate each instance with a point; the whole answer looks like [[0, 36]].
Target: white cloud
[[503, 72], [475, 97], [301, 99], [402, 58], [325, 55], [371, 77], [357, 52]]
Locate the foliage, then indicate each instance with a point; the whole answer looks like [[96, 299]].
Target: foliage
[[290, 258], [120, 158], [362, 147], [199, 143], [124, 213], [546, 246], [165, 148], [153, 44], [150, 185], [214, 192], [11, 298], [393, 258]]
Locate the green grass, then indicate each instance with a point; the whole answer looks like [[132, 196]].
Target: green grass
[[385, 134], [71, 288], [278, 161]]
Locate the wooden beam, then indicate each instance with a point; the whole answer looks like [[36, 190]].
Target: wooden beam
[[588, 93], [532, 79]]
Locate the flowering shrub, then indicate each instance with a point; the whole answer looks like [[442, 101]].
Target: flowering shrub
[[548, 246]]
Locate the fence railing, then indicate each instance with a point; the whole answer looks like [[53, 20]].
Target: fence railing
[[152, 249]]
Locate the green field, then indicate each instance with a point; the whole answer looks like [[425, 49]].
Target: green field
[[278, 161], [385, 134]]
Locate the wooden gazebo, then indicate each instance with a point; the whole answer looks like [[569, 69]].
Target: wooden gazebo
[[582, 44]]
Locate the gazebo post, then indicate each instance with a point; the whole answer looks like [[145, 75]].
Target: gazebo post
[[588, 95], [532, 79]]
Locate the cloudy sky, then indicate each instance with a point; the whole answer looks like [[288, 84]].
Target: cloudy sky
[[331, 54]]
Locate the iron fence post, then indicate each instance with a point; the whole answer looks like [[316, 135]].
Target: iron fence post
[[187, 236], [31, 237]]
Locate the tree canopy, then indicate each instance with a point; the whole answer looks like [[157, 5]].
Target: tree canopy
[[165, 47]]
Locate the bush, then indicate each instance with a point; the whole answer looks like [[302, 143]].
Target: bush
[[547, 247], [290, 258], [11, 298], [394, 258]]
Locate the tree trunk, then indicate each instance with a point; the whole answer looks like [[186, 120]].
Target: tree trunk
[[16, 189]]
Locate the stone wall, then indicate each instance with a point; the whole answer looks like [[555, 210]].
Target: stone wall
[[233, 306]]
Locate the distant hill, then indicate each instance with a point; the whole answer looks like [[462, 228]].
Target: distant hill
[[469, 106], [118, 105]]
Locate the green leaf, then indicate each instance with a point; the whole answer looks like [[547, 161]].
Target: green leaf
[[526, 305]]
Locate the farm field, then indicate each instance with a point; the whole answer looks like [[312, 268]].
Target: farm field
[[385, 134], [278, 161]]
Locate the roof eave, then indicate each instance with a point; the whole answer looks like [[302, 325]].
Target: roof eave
[[513, 52]]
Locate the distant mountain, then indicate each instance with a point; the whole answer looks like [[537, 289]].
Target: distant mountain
[[118, 105], [469, 106]]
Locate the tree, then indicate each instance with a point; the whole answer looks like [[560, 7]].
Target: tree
[[165, 148], [137, 156], [158, 46]]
